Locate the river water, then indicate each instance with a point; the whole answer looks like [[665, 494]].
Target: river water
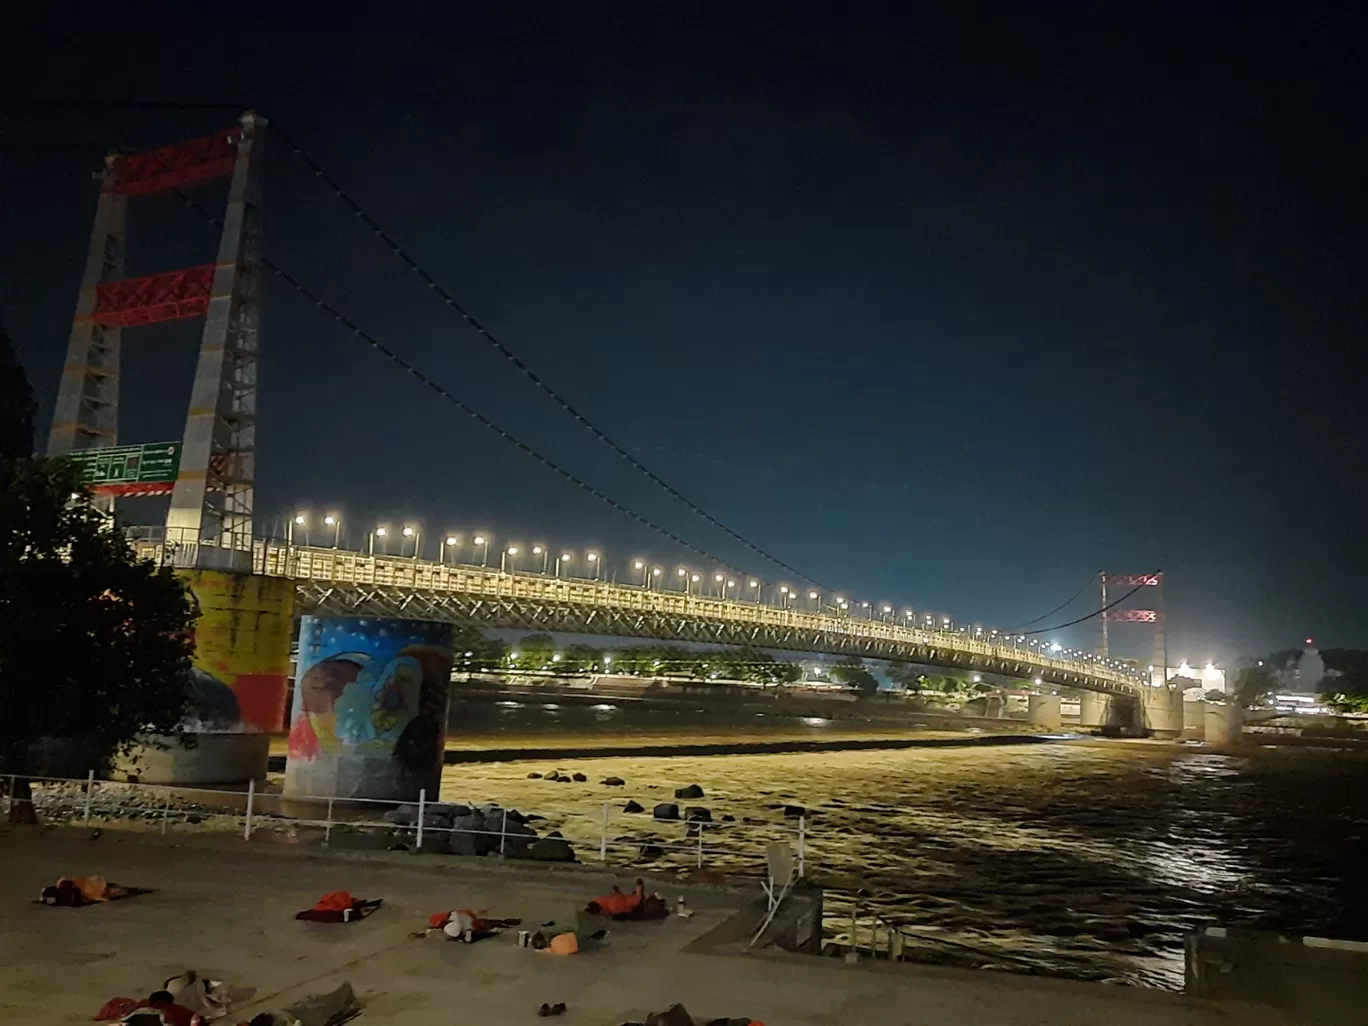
[[1083, 859]]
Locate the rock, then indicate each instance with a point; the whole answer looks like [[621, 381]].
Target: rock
[[468, 836], [517, 838], [551, 849], [651, 851], [698, 814], [675, 1015], [692, 791], [632, 806], [404, 815], [563, 780], [666, 811], [189, 819], [579, 778], [534, 776], [613, 782], [728, 818], [435, 842], [794, 811]]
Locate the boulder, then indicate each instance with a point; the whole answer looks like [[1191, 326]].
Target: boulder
[[651, 851], [728, 818], [468, 836], [579, 778], [692, 791], [613, 782], [794, 811], [534, 776], [435, 842], [666, 810], [518, 837], [698, 814], [404, 815], [551, 849], [632, 806]]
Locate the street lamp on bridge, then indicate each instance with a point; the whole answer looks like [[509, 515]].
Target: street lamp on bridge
[[483, 543], [657, 572], [450, 542], [540, 550], [721, 581], [784, 595], [592, 558], [417, 536], [335, 522], [379, 532], [298, 520], [639, 565], [512, 550], [754, 585]]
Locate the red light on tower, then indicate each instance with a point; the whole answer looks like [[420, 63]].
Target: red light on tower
[[1310, 642]]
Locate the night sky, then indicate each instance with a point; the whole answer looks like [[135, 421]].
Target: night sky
[[947, 307]]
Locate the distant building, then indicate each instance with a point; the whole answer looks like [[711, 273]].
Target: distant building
[[1209, 678]]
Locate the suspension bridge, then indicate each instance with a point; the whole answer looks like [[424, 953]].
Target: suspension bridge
[[209, 473]]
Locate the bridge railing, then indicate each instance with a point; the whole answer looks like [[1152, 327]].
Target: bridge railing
[[341, 566]]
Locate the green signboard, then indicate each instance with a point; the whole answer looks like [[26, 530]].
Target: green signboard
[[130, 469]]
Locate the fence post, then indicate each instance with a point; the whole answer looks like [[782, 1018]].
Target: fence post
[[90, 793], [603, 835], [700, 825], [166, 811], [9, 804], [327, 827], [422, 801], [802, 847], [503, 832], [247, 822]]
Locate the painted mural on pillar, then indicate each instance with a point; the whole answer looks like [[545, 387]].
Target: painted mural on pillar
[[241, 666], [369, 713]]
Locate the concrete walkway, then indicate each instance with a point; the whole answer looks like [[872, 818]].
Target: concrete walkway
[[226, 911]]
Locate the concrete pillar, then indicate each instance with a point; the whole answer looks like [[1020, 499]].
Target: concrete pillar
[[1043, 711], [370, 708], [1194, 720], [1094, 709], [1162, 711], [1223, 724]]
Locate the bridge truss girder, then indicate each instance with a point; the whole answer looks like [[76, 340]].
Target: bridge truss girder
[[331, 598]]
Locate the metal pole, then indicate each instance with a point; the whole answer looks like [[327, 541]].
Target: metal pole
[[700, 844], [90, 793], [503, 832], [422, 802], [166, 811], [603, 836], [9, 804], [247, 822], [802, 847], [327, 827]]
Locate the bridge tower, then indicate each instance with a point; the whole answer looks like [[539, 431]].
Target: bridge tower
[[210, 473], [1109, 585]]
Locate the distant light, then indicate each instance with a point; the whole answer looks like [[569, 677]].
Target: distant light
[[536, 550], [812, 594], [408, 532], [657, 572], [469, 654], [330, 520], [300, 518], [479, 539], [638, 565], [783, 590], [1039, 681], [591, 556], [513, 655], [1310, 641], [555, 657], [978, 678], [453, 540], [607, 660], [694, 578], [566, 557], [888, 609], [752, 584], [719, 578], [731, 584], [682, 572], [380, 532], [512, 550], [1055, 646]]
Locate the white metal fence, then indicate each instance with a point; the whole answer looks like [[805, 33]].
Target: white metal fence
[[596, 836]]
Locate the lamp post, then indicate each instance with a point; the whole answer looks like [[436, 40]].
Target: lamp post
[[565, 557], [416, 535], [639, 565], [298, 520], [731, 584], [784, 594], [379, 532], [512, 550], [721, 581], [483, 543], [840, 604], [592, 558], [540, 550], [335, 522], [816, 600], [683, 576], [886, 611], [754, 586], [657, 572], [450, 542]]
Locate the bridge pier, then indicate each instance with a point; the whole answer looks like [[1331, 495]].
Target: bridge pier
[[1194, 720], [1044, 711], [1223, 724], [370, 708], [1162, 711]]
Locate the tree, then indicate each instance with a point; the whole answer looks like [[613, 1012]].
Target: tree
[[95, 644], [852, 673], [1253, 684]]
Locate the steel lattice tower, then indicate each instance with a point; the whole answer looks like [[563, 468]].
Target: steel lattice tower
[[1153, 616], [209, 522]]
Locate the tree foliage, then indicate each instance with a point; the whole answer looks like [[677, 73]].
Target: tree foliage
[[852, 673], [1252, 685], [16, 405], [94, 644]]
